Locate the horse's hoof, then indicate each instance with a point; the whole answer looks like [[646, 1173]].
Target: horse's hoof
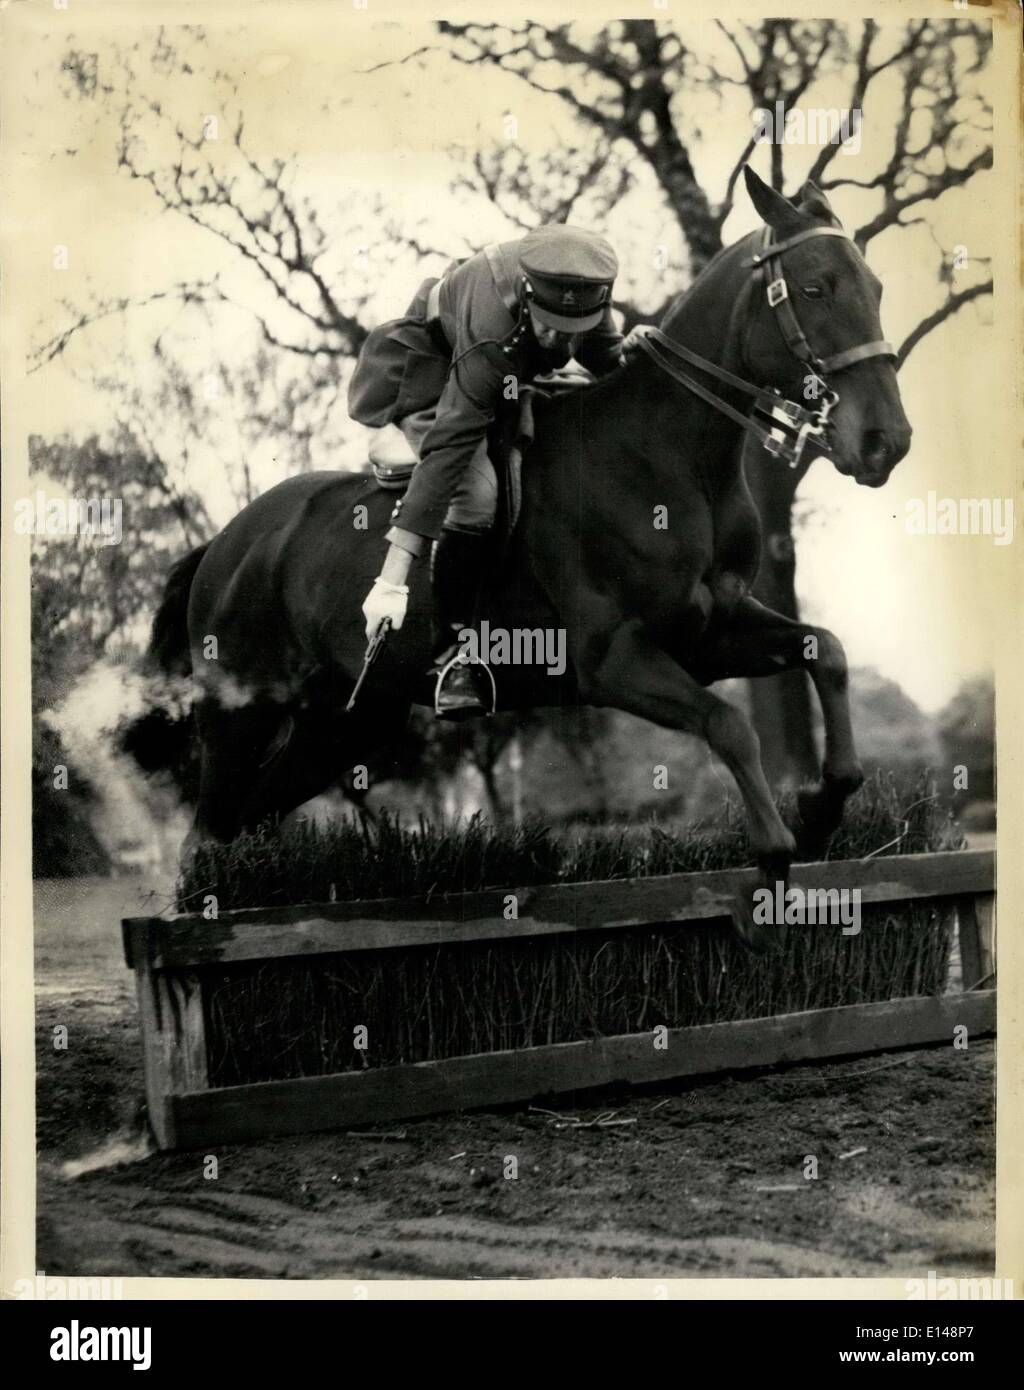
[[755, 937], [759, 937], [757, 919]]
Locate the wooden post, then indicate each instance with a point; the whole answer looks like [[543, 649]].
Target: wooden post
[[985, 912], [976, 919], [173, 1042]]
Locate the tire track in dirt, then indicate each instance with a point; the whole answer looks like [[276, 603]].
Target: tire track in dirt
[[259, 1238]]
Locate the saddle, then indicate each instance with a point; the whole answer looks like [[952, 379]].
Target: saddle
[[393, 460]]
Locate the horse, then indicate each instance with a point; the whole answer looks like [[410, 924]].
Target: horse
[[637, 539]]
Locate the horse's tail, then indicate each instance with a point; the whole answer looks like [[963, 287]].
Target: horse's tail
[[163, 738], [168, 641]]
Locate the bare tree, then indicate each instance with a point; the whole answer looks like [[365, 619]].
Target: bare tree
[[216, 184], [627, 85]]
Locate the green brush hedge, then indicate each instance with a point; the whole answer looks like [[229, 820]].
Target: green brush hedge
[[353, 861], [279, 1019]]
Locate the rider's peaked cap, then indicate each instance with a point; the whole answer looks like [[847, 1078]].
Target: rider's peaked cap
[[569, 275]]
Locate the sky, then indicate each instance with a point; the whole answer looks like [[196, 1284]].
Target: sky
[[355, 134]]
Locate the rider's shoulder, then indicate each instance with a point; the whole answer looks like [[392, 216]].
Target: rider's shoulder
[[476, 303]]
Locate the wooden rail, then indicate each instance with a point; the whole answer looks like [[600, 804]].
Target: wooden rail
[[168, 954]]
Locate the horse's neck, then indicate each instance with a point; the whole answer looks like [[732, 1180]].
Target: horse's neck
[[707, 319]]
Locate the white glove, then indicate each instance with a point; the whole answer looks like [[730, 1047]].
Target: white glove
[[385, 600]]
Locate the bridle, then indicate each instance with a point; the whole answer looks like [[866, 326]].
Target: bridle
[[789, 425]]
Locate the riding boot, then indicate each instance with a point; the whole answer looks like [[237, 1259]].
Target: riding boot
[[463, 688]]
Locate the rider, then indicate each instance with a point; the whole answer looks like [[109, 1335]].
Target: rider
[[496, 321]]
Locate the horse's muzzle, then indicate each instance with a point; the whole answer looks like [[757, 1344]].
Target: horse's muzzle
[[881, 451]]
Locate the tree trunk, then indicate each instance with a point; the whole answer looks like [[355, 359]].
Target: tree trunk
[[780, 706]]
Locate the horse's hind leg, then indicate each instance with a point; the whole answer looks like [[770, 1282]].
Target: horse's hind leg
[[322, 745], [232, 744], [754, 641]]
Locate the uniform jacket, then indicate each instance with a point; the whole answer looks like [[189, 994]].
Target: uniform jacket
[[459, 363]]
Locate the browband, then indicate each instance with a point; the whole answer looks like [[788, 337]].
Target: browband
[[777, 248]]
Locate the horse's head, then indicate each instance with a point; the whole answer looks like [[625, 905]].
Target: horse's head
[[830, 297]]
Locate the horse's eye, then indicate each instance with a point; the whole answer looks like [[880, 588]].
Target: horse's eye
[[811, 291]]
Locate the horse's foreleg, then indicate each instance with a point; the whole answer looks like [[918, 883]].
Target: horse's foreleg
[[754, 641], [624, 668]]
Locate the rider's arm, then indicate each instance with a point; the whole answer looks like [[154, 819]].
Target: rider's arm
[[466, 408], [475, 319], [464, 413]]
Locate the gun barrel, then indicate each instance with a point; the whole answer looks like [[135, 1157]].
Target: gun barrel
[[373, 650]]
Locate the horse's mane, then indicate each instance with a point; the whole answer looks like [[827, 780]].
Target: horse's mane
[[706, 270]]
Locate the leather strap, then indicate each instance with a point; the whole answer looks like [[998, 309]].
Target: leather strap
[[655, 335], [768, 270], [785, 415], [778, 248], [768, 266], [839, 360]]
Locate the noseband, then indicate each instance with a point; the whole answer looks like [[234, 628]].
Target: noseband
[[789, 425]]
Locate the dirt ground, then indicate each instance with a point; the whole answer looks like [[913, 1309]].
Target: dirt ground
[[699, 1180]]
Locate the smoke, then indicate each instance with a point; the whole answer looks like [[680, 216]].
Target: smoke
[[138, 821], [112, 1154]]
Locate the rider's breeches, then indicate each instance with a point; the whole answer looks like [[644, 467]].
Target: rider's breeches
[[474, 503]]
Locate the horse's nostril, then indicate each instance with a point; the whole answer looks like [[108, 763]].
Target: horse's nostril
[[882, 447], [876, 445]]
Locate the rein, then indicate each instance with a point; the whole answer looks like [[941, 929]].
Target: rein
[[786, 426]]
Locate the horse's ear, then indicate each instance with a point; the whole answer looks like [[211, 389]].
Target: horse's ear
[[773, 208], [812, 201]]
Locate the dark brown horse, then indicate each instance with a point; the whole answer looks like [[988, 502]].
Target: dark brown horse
[[638, 538]]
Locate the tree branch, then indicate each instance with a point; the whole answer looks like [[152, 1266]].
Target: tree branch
[[934, 186], [953, 303], [187, 292]]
